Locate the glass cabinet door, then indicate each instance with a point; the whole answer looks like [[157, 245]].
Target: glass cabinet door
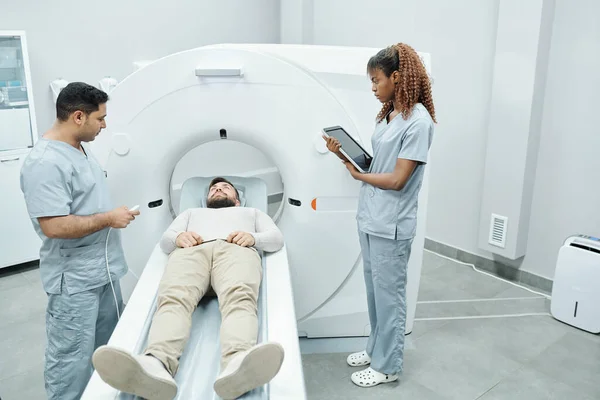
[[16, 116]]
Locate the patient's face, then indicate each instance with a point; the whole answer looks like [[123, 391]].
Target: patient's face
[[221, 195]]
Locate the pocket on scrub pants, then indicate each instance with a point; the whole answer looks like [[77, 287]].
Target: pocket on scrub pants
[[391, 273], [64, 335]]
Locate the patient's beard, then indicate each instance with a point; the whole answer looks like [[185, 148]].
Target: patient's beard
[[220, 202]]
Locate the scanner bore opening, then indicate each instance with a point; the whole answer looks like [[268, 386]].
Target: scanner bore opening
[[229, 158]]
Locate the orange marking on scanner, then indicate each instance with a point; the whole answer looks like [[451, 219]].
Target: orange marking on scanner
[[329, 204]]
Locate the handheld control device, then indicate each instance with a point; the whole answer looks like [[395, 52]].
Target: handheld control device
[[134, 208]]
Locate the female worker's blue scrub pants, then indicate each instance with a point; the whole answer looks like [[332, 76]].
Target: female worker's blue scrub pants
[[76, 325], [385, 263]]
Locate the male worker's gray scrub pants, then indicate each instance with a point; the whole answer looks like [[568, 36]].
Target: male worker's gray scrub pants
[[76, 325]]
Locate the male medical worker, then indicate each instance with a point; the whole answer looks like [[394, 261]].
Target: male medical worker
[[68, 201]]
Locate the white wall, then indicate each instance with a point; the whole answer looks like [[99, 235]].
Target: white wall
[[296, 21], [566, 198], [523, 40], [79, 40], [461, 36]]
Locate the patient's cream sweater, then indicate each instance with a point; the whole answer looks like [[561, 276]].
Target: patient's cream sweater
[[218, 223]]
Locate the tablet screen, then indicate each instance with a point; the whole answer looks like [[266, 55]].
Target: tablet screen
[[349, 146]]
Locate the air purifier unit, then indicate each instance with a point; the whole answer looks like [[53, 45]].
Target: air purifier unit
[[576, 289]]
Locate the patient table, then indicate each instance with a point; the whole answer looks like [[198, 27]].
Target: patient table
[[199, 364]]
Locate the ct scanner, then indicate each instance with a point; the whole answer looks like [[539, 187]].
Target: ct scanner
[[276, 98]]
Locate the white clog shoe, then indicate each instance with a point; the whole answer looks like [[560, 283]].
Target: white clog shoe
[[358, 359], [369, 377]]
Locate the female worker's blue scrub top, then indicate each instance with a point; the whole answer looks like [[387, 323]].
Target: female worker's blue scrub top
[[392, 214], [58, 180]]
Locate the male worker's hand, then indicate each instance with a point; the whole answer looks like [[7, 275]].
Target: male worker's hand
[[121, 217], [243, 239], [188, 239]]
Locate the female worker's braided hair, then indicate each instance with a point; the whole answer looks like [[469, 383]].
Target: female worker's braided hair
[[414, 86]]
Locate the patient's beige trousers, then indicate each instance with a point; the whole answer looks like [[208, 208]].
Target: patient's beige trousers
[[234, 273]]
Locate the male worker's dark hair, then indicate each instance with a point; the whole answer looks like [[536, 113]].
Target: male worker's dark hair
[[79, 96], [219, 179]]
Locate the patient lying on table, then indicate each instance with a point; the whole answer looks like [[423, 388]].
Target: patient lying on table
[[208, 247]]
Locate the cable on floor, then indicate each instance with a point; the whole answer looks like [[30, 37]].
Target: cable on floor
[[488, 274]]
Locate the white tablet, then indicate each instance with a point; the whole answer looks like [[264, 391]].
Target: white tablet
[[350, 148]]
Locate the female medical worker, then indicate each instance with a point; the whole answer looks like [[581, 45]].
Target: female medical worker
[[387, 208]]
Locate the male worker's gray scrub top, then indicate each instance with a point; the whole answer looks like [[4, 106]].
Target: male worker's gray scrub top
[[58, 180]]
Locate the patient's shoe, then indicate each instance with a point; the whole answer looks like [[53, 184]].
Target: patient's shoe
[[249, 370], [141, 375]]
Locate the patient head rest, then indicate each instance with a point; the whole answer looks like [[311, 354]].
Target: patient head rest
[[222, 193]]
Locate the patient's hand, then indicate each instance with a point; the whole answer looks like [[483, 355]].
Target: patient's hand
[[243, 239], [188, 239]]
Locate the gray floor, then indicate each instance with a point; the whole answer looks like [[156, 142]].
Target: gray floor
[[492, 353], [22, 335], [468, 343]]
